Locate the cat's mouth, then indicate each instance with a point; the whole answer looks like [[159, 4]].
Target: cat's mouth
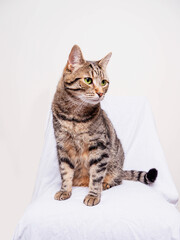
[[92, 100]]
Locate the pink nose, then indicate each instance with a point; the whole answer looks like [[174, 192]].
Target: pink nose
[[99, 94]]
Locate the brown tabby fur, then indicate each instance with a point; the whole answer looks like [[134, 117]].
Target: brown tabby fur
[[89, 152]]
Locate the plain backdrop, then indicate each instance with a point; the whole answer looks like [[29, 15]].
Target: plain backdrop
[[36, 37]]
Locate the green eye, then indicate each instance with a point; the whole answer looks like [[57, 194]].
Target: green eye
[[88, 80], [103, 83]]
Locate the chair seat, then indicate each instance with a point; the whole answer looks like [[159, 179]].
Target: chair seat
[[129, 211]]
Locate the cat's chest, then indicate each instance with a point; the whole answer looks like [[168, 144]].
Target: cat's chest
[[73, 127], [75, 140]]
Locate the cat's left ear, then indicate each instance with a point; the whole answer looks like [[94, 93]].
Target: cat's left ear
[[104, 61], [75, 59]]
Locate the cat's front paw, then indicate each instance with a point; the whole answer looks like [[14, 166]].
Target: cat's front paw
[[62, 195], [91, 200]]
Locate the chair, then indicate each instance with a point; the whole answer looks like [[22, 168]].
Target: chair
[[129, 211]]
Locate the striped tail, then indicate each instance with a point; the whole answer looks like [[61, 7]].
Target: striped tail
[[141, 176]]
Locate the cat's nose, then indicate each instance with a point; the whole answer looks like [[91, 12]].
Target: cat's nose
[[99, 94]]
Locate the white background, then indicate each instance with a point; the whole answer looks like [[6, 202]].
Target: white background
[[35, 40]]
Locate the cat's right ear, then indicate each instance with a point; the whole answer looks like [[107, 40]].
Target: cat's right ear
[[75, 59]]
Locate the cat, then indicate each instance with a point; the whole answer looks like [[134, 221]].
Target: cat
[[88, 149]]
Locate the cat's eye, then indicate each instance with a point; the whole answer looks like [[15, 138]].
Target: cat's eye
[[103, 83], [88, 80]]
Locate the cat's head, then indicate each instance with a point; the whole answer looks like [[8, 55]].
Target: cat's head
[[86, 80]]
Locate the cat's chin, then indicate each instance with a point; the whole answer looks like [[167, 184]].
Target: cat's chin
[[93, 101]]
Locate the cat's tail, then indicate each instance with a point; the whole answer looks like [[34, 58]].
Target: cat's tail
[[141, 176]]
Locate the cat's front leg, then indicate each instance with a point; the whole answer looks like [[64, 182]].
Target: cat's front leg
[[67, 173], [97, 173]]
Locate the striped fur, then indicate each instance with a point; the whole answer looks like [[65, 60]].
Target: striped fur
[[88, 149]]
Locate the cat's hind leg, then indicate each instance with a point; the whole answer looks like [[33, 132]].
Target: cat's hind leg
[[111, 180]]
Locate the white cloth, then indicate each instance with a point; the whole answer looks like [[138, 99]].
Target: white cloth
[[129, 211]]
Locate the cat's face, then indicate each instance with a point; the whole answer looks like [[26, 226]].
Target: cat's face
[[87, 80]]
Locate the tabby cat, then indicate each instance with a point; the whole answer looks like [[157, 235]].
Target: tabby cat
[[88, 149]]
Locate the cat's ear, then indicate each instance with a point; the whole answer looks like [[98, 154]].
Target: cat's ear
[[75, 59], [104, 61]]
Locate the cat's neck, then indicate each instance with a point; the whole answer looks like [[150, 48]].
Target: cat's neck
[[71, 105]]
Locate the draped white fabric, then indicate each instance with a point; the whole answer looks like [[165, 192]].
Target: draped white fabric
[[129, 211]]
